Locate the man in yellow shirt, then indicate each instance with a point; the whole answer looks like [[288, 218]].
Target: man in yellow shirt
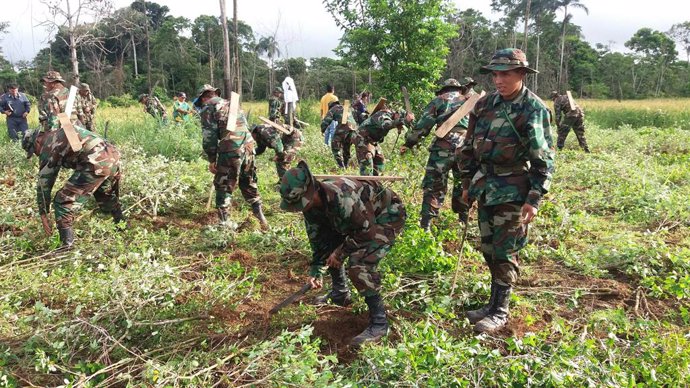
[[327, 99]]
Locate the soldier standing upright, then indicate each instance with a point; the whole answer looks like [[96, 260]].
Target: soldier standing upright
[[275, 105], [285, 145], [372, 132], [229, 148], [154, 107], [86, 106], [341, 143], [96, 172], [346, 219], [567, 118], [506, 163], [442, 159], [54, 101]]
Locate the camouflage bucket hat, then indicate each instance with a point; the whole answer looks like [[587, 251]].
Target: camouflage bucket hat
[[554, 94], [297, 188], [52, 76], [83, 86], [333, 103], [142, 96], [507, 59], [449, 84], [207, 88], [278, 89], [467, 81], [29, 142]]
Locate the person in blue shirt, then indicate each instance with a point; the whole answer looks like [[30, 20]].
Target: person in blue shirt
[[16, 107]]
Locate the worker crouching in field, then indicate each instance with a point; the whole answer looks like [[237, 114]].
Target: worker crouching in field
[[346, 219], [96, 171], [285, 145], [372, 132], [507, 160]]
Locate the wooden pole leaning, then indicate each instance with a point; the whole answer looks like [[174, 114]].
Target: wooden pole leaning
[[461, 112]]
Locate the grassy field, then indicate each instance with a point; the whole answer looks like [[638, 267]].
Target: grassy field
[[603, 299]]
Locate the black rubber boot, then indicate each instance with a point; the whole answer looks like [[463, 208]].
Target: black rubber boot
[[259, 214], [586, 149], [498, 312], [378, 323], [340, 293], [66, 237], [477, 315], [222, 216], [425, 222], [120, 220]]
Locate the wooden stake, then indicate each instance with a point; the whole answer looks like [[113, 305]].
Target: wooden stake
[[406, 97], [447, 125], [362, 177], [70, 133], [346, 112], [275, 125], [302, 122], [379, 105], [570, 100]]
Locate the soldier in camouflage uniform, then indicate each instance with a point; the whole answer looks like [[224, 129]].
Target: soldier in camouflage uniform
[[442, 159], [229, 148], [566, 119], [54, 101], [372, 132], [468, 85], [284, 145], [507, 160], [154, 107], [346, 219], [96, 172], [341, 143], [275, 105], [86, 106]]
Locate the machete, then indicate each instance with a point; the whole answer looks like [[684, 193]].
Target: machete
[[290, 299]]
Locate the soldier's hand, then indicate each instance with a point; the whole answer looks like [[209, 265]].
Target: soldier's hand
[[409, 117], [316, 283], [46, 225], [24, 114], [403, 149], [528, 213], [333, 261], [212, 168], [8, 112]]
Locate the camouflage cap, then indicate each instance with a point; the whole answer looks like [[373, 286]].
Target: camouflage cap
[[467, 81], [449, 84], [84, 86], [297, 187], [208, 88], [29, 142], [554, 94], [52, 76], [333, 103], [142, 96], [278, 89], [507, 59]]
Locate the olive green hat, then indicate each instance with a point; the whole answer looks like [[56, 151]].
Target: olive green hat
[[84, 86], [297, 187], [142, 96], [29, 142], [53, 76], [554, 94], [449, 84], [507, 59], [278, 89], [467, 81]]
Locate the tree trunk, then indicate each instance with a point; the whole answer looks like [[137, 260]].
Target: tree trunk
[[148, 51], [227, 76], [72, 45], [210, 53], [524, 42], [238, 70], [560, 67], [536, 65], [134, 55]]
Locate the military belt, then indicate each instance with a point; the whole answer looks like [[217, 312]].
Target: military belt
[[494, 169]]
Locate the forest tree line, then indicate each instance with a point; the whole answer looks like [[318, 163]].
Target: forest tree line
[[377, 52]]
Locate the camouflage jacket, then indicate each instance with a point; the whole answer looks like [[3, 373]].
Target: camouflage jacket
[[469, 93], [85, 106], [506, 160], [155, 108], [96, 156], [336, 114], [376, 127], [266, 136], [217, 138], [562, 107], [51, 104], [436, 113], [350, 208], [275, 108]]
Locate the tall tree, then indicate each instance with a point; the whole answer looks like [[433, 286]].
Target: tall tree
[[680, 32], [238, 66], [657, 48], [69, 14], [227, 73], [409, 45], [565, 4], [268, 45]]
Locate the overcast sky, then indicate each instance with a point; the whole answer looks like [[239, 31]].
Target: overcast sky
[[305, 29]]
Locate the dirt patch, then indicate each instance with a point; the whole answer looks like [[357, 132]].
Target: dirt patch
[[336, 326], [245, 258]]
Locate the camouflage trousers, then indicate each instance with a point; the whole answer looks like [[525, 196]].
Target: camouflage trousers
[[284, 160], [578, 126], [88, 122], [231, 170], [72, 196], [503, 234], [369, 156], [340, 147], [435, 183], [362, 266]]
